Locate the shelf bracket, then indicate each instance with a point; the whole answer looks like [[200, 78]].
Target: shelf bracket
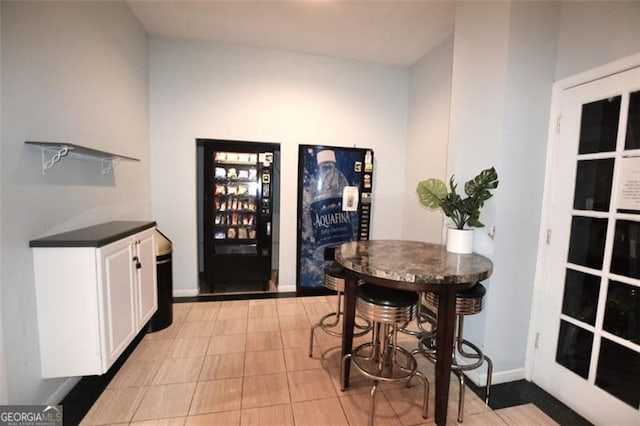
[[47, 164], [108, 165], [57, 150]]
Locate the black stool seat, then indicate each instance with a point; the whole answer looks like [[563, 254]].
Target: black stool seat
[[468, 302], [474, 292], [334, 277], [386, 296], [334, 269]]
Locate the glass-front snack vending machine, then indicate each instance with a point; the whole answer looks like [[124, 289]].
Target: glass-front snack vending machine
[[237, 213]]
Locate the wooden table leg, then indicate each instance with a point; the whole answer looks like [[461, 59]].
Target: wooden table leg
[[444, 352], [350, 293]]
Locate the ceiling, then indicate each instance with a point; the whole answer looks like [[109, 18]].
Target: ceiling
[[397, 32]]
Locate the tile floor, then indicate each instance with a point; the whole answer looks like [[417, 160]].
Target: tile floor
[[246, 363]]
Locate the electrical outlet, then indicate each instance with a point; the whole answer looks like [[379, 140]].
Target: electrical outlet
[[491, 232]]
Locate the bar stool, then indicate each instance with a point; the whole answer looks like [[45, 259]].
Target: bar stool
[[468, 302], [382, 359], [334, 280]]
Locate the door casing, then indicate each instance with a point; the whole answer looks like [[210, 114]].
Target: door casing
[[612, 68]]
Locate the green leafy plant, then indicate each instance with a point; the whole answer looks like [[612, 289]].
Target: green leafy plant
[[433, 194]]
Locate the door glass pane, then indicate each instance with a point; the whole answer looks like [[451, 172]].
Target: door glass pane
[[586, 246], [580, 299], [599, 126], [593, 185], [633, 122], [574, 348], [619, 372], [622, 312], [625, 260]]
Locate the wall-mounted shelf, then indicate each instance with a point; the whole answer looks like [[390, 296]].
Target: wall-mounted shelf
[[53, 152]]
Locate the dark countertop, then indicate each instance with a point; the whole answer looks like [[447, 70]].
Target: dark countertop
[[93, 236]]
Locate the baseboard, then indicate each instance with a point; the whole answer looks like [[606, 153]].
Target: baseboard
[[62, 391], [286, 288], [519, 392], [497, 377], [185, 292]]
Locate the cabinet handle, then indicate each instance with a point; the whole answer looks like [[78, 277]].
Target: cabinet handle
[[137, 261]]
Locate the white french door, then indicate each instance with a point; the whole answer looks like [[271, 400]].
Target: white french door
[[588, 346]]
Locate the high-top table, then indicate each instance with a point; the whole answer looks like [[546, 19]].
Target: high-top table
[[413, 266]]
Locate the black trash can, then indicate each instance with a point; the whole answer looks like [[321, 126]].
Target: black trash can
[[164, 315]]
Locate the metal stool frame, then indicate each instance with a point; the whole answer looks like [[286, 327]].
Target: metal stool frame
[[381, 363], [337, 284], [426, 344], [423, 316]]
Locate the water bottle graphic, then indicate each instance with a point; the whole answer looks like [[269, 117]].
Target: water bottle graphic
[[331, 225]]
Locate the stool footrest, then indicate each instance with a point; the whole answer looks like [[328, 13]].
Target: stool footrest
[[327, 326], [426, 348]]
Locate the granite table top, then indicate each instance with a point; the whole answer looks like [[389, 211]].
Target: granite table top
[[412, 262]]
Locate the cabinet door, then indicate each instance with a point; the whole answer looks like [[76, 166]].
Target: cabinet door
[[118, 322], [147, 301]]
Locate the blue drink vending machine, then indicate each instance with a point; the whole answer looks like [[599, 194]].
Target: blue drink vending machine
[[334, 206]]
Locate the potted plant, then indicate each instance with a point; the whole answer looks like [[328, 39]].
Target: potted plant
[[464, 213]]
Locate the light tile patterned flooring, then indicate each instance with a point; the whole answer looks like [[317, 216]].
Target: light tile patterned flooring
[[246, 363]]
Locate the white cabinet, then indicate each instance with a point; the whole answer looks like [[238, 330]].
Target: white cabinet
[[146, 278], [117, 290], [93, 301]]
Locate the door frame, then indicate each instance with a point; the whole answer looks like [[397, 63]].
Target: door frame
[[551, 169]]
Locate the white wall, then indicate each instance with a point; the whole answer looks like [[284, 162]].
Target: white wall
[[504, 58], [427, 136], [212, 90], [596, 33], [477, 93], [521, 161], [73, 72], [476, 122]]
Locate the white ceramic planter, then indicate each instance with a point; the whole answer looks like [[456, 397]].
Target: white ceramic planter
[[460, 240]]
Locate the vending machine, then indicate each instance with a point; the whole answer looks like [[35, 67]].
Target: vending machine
[[237, 211], [334, 206]]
